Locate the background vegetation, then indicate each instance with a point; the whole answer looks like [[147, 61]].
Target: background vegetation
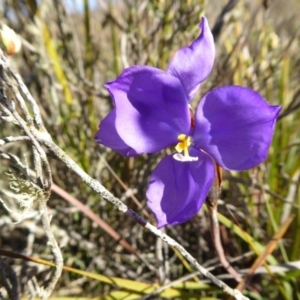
[[66, 58]]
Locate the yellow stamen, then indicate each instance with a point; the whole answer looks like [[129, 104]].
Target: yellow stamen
[[183, 145]]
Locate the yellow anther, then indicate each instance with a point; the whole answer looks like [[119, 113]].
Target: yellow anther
[[183, 145], [181, 137]]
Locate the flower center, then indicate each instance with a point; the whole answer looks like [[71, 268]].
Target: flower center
[[183, 145], [184, 142]]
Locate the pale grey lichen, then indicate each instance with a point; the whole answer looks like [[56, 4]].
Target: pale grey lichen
[[20, 194]]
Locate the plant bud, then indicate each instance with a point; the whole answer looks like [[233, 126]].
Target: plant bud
[[10, 41]]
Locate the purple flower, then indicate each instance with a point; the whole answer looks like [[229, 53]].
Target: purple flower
[[232, 126]]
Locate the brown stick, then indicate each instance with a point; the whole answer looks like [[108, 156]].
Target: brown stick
[[212, 203], [215, 230], [271, 246]]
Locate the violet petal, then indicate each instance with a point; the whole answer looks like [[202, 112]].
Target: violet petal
[[235, 125], [151, 110], [177, 190], [193, 64], [109, 137]]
